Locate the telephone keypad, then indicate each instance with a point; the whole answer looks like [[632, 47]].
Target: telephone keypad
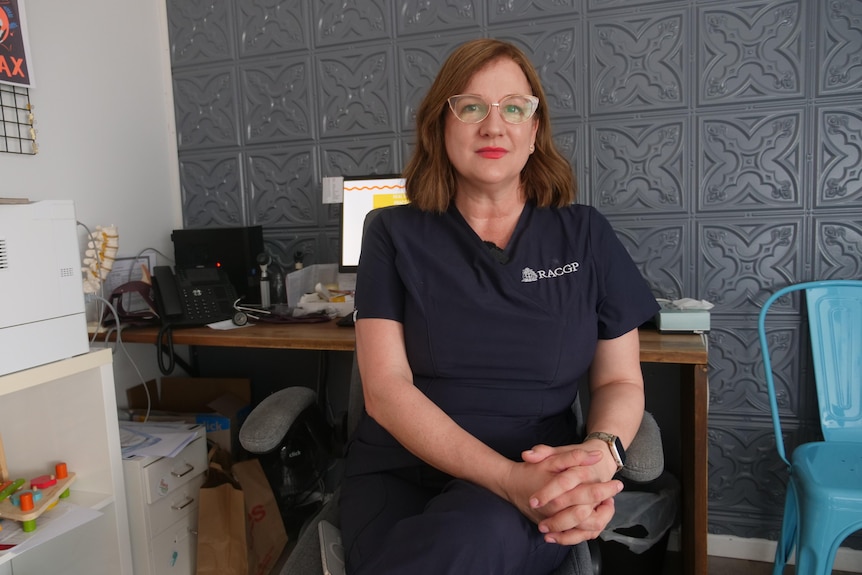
[[203, 303]]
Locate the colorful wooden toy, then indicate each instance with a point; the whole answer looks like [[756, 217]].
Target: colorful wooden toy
[[27, 505]]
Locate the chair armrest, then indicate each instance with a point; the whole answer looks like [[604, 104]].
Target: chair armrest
[[645, 455], [270, 420]]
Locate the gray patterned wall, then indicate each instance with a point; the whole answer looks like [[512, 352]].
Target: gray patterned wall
[[722, 138]]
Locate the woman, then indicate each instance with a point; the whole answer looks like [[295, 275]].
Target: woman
[[480, 307]]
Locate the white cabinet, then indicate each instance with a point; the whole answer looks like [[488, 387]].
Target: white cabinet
[[67, 411], [162, 495]]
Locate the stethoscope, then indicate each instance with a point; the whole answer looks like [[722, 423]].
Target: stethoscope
[[243, 313]]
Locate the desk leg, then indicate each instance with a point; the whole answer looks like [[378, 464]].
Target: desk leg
[[693, 425]]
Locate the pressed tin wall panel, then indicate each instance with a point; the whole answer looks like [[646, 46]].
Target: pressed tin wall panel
[[640, 165], [722, 138], [558, 59], [751, 51], [422, 16], [838, 242], [355, 91], [751, 161], [277, 103], [839, 154], [742, 261], [268, 27], [637, 62], [660, 246], [838, 48]]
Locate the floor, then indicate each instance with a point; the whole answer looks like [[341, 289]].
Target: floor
[[717, 566], [672, 566], [727, 566]]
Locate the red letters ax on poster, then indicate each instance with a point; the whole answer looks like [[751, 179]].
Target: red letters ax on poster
[[11, 67]]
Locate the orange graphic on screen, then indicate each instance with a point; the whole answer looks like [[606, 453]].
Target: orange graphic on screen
[[5, 28], [14, 55], [366, 188]]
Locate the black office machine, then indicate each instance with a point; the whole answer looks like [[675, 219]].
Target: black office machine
[[233, 250]]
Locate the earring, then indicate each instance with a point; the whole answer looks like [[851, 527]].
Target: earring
[[532, 148]]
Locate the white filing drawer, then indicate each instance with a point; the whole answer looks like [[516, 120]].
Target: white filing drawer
[[164, 475], [175, 550], [177, 505], [162, 497]]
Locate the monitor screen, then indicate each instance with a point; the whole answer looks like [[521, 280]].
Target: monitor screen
[[361, 195]]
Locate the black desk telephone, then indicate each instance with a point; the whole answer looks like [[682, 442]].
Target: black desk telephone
[[194, 296]]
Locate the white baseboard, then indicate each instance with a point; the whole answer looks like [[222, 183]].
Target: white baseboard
[[764, 550]]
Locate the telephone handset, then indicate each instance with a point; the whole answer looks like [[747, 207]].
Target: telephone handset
[[194, 296]]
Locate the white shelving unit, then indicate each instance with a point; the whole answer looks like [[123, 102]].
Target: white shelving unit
[[67, 411]]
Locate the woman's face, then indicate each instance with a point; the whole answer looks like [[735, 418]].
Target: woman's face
[[493, 151]]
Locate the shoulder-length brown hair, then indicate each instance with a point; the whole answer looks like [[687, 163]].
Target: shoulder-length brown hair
[[547, 178]]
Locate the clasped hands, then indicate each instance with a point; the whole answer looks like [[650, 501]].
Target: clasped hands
[[567, 491]]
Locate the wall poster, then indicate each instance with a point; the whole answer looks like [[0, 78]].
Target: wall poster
[[15, 64]]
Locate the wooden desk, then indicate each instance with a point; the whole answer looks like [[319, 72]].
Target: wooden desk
[[689, 351], [326, 336]]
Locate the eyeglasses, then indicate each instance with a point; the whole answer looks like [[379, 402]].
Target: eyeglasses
[[514, 109]]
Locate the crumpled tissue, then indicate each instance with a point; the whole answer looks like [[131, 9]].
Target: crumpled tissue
[[686, 303]]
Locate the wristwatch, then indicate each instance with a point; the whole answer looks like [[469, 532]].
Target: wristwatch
[[614, 444]]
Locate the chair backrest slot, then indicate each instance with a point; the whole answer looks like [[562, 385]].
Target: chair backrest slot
[[835, 320]]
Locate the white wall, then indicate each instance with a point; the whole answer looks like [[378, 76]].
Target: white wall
[[105, 125]]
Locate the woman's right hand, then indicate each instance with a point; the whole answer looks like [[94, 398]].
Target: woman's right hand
[[561, 489]]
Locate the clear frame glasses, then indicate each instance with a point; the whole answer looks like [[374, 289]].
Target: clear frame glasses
[[514, 109]]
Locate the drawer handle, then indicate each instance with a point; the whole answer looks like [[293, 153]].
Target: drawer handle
[[189, 469], [186, 503]]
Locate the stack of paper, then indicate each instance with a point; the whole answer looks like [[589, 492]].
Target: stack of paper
[[158, 439]]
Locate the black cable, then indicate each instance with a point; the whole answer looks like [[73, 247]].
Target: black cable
[[165, 331]]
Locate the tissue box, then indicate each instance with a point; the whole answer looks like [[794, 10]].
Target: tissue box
[[672, 320]]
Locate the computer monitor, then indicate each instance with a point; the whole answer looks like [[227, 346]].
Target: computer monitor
[[361, 194]]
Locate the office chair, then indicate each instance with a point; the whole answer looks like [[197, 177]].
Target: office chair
[[268, 423], [823, 504]]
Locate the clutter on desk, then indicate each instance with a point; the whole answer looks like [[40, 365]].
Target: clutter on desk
[[321, 287], [686, 315], [278, 313]]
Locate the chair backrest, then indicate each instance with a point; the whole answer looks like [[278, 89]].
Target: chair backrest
[[835, 327]]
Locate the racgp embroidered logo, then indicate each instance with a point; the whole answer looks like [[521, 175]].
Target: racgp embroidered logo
[[529, 275]]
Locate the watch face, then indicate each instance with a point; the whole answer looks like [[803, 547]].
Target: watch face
[[620, 450]]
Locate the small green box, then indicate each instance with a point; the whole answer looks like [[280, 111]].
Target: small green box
[[669, 320]]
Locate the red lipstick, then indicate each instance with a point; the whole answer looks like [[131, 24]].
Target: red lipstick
[[492, 152]]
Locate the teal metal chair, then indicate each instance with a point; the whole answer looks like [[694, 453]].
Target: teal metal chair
[[823, 504]]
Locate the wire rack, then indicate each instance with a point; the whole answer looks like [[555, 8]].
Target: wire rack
[[17, 131]]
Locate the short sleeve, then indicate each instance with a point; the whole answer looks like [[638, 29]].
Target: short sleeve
[[625, 299], [379, 287]]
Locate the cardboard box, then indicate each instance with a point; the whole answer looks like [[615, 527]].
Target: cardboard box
[[220, 405]]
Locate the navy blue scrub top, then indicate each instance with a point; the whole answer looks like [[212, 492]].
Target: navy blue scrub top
[[500, 347]]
